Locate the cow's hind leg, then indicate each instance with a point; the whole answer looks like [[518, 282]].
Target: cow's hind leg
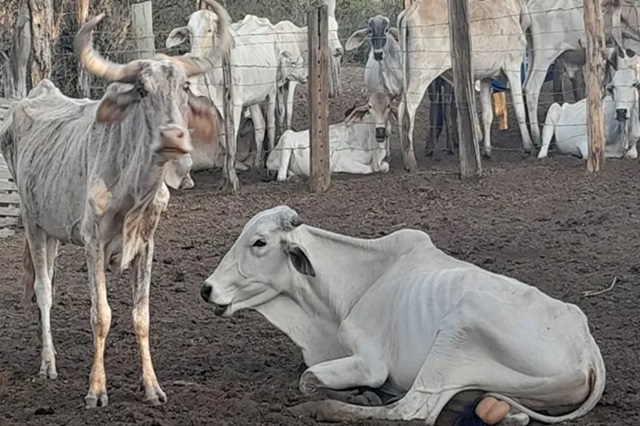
[[515, 86], [487, 113], [470, 352], [39, 245]]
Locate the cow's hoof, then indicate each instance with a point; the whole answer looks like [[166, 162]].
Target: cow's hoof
[[306, 409], [428, 153], [384, 167], [96, 400], [486, 152], [155, 396], [309, 383]]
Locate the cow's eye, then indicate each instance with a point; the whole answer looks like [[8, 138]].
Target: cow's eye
[[260, 243]]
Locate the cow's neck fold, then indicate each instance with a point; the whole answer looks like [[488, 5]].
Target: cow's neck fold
[[346, 267], [130, 146]]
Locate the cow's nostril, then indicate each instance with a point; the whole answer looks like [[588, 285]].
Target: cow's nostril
[[205, 292]]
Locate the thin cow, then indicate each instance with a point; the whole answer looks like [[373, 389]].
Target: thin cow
[[91, 173], [398, 315], [357, 145], [497, 29]]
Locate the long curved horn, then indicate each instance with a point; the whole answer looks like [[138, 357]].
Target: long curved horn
[[95, 63], [224, 25], [195, 65]]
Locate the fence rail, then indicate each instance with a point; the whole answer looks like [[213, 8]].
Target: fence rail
[[9, 198]]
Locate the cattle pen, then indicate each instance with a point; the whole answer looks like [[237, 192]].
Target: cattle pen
[[549, 222], [9, 197]]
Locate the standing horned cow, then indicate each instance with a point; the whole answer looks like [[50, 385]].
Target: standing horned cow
[[107, 160]]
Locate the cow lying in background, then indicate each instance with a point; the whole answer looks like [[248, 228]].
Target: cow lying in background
[[357, 145], [399, 315], [568, 123], [91, 173]]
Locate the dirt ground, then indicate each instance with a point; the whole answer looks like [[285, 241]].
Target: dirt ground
[[548, 223]]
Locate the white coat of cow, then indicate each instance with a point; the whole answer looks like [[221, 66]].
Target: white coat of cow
[[295, 39], [398, 314], [558, 33], [91, 172], [497, 29], [357, 145], [209, 154], [568, 123], [254, 63]]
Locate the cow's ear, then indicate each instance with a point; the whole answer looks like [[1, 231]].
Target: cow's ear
[[356, 39], [177, 36], [300, 259], [114, 105]]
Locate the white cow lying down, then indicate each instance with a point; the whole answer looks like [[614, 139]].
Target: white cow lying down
[[397, 314], [357, 145], [568, 123]]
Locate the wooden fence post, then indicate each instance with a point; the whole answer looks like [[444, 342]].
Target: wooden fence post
[[463, 86], [15, 70], [84, 78], [318, 24], [41, 39], [229, 167], [594, 77], [142, 19]]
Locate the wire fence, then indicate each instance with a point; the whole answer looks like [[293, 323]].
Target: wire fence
[[495, 46]]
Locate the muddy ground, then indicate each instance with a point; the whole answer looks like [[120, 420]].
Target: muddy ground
[[548, 223]]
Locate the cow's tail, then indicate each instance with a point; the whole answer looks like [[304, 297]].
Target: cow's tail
[[597, 378]]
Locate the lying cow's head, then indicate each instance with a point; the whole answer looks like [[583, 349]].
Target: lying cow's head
[[378, 30], [379, 106], [265, 261], [624, 89], [152, 93]]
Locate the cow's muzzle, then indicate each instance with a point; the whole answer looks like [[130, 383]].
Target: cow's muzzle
[[220, 310], [205, 292], [621, 114], [377, 55], [381, 134]]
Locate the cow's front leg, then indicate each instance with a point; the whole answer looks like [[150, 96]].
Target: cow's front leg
[[344, 373], [140, 312], [100, 323]]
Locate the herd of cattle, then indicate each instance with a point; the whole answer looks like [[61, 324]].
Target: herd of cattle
[[404, 63], [435, 316]]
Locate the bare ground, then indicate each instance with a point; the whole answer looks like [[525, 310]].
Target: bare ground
[[548, 223]]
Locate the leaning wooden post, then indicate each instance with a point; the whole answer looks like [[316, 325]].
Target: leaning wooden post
[[41, 38], [142, 18], [318, 24], [594, 77], [229, 167], [15, 84], [84, 78], [460, 41]]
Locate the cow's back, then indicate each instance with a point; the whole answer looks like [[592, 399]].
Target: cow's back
[[404, 309], [496, 32], [256, 59], [49, 156]]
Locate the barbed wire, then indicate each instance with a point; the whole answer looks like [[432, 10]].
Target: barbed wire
[[67, 74]]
